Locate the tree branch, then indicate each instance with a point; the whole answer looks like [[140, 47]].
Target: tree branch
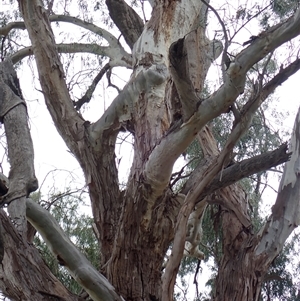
[[68, 122], [226, 44], [89, 93], [4, 31], [285, 215], [111, 39], [246, 168], [117, 58], [97, 286], [35, 276], [122, 107], [114, 51], [173, 144], [220, 161], [127, 20]]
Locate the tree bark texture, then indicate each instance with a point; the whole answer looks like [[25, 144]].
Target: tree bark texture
[[162, 107], [24, 275]]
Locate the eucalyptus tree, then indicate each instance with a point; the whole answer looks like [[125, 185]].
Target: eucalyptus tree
[[163, 108]]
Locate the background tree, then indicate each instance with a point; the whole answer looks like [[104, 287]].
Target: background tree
[[164, 109]]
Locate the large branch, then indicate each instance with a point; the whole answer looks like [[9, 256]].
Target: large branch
[[93, 152], [162, 158], [13, 113], [258, 163], [246, 168], [117, 58], [95, 284], [240, 170], [69, 123], [126, 19], [197, 190], [122, 107]]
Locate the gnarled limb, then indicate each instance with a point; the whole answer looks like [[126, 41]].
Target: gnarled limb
[[160, 163], [234, 203], [94, 152]]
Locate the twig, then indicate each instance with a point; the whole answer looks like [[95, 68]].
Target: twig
[[226, 44]]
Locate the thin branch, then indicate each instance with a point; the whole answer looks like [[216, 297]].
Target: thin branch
[[111, 39], [195, 277], [226, 44], [110, 84], [265, 184], [250, 19], [89, 93]]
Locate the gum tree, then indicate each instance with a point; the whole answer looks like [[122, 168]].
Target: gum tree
[[163, 108]]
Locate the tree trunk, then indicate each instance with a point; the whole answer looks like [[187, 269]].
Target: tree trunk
[[240, 277], [241, 274]]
